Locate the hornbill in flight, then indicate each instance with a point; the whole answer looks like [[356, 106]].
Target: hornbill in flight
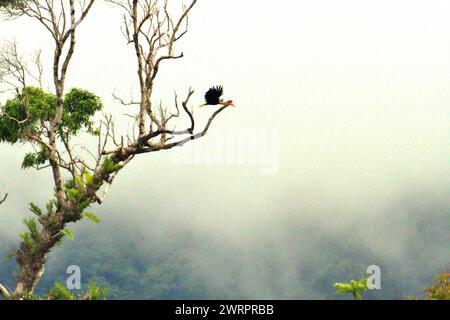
[[213, 98]]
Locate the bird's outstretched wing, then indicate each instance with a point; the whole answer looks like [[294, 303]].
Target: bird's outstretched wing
[[213, 95]]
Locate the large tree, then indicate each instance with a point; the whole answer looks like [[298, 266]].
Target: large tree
[[50, 121]]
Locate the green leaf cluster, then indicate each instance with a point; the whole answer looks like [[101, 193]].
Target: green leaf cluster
[[60, 292], [30, 111], [31, 237], [353, 287], [33, 104], [440, 289], [6, 3], [33, 159], [96, 293], [79, 107], [91, 216], [90, 182], [109, 166], [76, 190], [68, 233]]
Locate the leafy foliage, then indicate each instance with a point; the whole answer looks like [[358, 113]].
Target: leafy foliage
[[91, 216], [60, 292], [11, 3], [31, 111], [90, 181], [32, 226], [68, 233], [75, 190], [440, 289], [109, 166], [353, 287], [79, 107], [30, 107], [96, 293], [35, 209], [34, 159]]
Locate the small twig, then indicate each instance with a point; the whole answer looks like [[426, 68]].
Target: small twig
[[4, 198]]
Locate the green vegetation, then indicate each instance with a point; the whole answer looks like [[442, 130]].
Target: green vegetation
[[31, 112], [135, 260], [52, 123], [353, 287], [438, 290], [60, 292], [10, 3]]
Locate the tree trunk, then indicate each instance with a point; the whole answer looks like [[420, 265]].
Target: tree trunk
[[31, 257]]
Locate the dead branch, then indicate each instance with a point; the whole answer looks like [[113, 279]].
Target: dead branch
[[154, 30], [4, 198]]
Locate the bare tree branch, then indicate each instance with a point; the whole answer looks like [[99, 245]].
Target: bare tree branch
[[153, 28], [4, 198]]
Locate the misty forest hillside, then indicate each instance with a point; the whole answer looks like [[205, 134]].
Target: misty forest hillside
[[174, 262]]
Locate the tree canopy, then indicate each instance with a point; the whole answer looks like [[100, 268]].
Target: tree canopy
[[32, 110]]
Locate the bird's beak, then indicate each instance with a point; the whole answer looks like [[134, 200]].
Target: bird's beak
[[233, 105]]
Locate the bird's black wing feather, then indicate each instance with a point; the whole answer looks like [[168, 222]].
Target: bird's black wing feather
[[213, 95]]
